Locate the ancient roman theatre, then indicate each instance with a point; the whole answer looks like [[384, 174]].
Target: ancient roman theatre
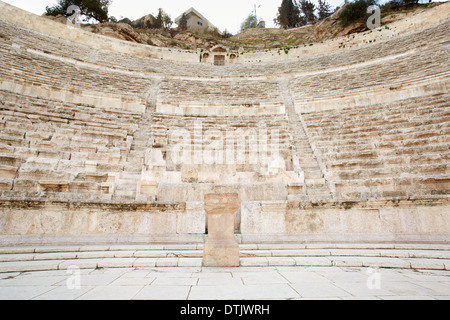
[[338, 155]]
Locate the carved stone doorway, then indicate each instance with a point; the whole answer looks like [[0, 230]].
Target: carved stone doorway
[[219, 60]]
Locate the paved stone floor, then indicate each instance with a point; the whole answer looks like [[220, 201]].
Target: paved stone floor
[[244, 283]]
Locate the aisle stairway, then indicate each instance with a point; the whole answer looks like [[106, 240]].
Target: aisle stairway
[[375, 255], [316, 185]]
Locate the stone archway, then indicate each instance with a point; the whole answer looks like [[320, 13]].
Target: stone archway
[[205, 57], [219, 53]]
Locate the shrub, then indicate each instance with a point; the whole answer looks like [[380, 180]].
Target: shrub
[[355, 11], [125, 20], [399, 4]]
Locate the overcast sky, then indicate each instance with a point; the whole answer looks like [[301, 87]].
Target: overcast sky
[[224, 15]]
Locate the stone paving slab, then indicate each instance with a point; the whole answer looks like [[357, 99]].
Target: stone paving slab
[[111, 292], [324, 290], [243, 292], [241, 283], [158, 292], [219, 281]]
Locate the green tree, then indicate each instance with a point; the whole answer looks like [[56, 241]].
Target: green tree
[[149, 21], [90, 9], [159, 19], [308, 8], [288, 15], [250, 22], [410, 2], [167, 22], [163, 20], [225, 34], [183, 22], [324, 9]]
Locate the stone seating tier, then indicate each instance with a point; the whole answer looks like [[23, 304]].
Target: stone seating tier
[[25, 38], [393, 74], [24, 66], [395, 150], [219, 92], [25, 72], [48, 146], [55, 150]]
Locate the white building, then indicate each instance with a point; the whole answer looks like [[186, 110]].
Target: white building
[[195, 21]]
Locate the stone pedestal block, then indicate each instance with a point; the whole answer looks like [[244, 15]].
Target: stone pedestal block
[[221, 248]]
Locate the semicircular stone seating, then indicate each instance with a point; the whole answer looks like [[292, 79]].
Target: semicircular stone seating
[[339, 157]]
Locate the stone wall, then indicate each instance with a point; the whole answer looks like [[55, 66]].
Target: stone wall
[[82, 221], [384, 221]]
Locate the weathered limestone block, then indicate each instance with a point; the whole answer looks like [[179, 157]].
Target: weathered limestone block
[[91, 166], [88, 149], [154, 159], [296, 188], [192, 220], [6, 184], [107, 188], [7, 172], [182, 192], [97, 177], [25, 185], [221, 248], [263, 217], [416, 220], [189, 175], [40, 163], [147, 187], [39, 218], [83, 187], [10, 160], [54, 186]]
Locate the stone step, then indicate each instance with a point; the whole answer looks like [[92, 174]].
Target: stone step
[[124, 196], [313, 174], [315, 182], [404, 256]]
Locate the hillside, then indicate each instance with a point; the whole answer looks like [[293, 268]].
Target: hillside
[[248, 40], [326, 29]]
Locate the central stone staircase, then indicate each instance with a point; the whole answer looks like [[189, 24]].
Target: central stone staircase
[[374, 255], [316, 186]]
